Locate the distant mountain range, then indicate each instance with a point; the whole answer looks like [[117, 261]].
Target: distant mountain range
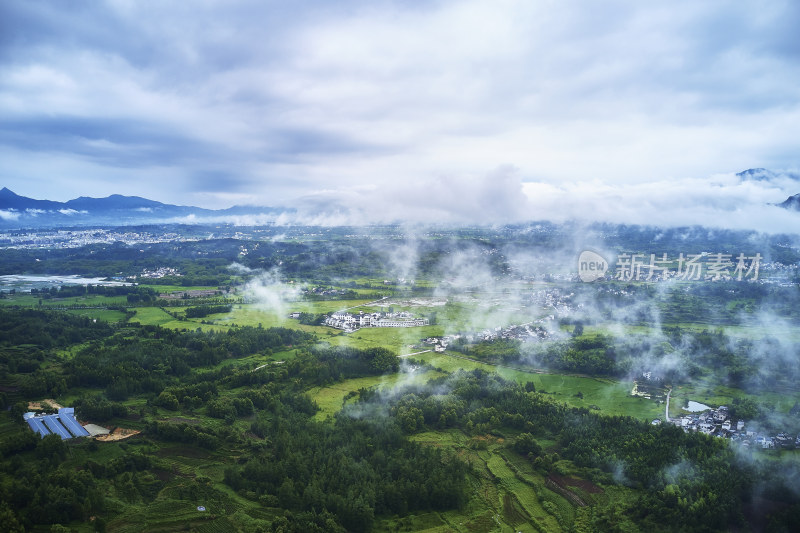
[[763, 174], [22, 212]]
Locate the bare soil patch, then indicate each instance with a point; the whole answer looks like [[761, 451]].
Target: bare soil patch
[[44, 404], [566, 481], [118, 434]]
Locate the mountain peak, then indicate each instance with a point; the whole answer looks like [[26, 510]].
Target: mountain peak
[[765, 174], [792, 203], [757, 174]]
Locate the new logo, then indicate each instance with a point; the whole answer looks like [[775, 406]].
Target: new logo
[[591, 266]]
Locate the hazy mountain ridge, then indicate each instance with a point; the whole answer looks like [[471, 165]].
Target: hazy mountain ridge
[[21, 211]]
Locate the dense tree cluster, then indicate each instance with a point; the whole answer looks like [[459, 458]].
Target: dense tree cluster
[[325, 364], [45, 329], [353, 469], [153, 358], [590, 354]]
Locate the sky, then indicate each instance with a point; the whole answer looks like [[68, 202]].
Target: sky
[[455, 111]]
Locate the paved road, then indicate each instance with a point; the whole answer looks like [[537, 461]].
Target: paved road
[[415, 353], [363, 305], [666, 411]]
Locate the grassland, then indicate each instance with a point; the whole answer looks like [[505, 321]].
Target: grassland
[[26, 299], [331, 399], [112, 316]]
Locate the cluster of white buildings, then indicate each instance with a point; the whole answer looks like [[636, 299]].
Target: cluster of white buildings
[[718, 423], [55, 239], [350, 322], [159, 272]]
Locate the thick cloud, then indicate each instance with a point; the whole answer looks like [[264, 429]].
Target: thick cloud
[[392, 109]]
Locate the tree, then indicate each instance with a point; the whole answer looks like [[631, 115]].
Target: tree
[[51, 447], [525, 444], [9, 520], [167, 400]]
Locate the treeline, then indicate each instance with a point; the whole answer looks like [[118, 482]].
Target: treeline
[[133, 292], [202, 311], [312, 319]]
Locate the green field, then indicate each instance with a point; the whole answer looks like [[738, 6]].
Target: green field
[[151, 316], [109, 315], [609, 395], [331, 399], [25, 299]]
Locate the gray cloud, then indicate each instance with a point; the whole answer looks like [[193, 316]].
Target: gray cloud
[[382, 103]]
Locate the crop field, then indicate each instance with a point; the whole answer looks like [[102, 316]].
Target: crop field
[[399, 340], [506, 488], [151, 316], [156, 316], [108, 315]]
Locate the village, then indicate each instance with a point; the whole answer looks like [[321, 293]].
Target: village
[[530, 332], [710, 421], [349, 322], [718, 423], [324, 291]]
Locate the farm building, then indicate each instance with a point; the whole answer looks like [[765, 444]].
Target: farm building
[[63, 424]]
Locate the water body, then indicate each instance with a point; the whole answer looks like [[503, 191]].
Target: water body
[[696, 407], [24, 283]]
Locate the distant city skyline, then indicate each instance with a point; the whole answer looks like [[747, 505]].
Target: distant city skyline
[[428, 111]]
